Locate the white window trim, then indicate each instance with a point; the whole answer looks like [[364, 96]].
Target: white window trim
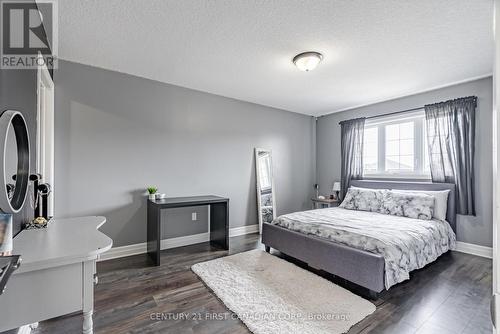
[[383, 121]]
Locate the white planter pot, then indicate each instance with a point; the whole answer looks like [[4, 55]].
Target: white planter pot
[[152, 197], [160, 196]]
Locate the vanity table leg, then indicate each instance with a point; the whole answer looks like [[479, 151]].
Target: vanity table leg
[[88, 323], [89, 269]]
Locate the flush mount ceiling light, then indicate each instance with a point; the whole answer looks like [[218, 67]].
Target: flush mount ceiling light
[[307, 61]]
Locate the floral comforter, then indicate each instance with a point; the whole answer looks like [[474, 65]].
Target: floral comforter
[[405, 243]]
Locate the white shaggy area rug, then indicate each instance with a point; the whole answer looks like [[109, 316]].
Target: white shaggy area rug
[[271, 295]]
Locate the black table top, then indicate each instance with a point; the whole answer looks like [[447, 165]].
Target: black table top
[[189, 201]]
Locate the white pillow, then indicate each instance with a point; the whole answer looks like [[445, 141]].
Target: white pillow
[[440, 198], [411, 205], [363, 199]]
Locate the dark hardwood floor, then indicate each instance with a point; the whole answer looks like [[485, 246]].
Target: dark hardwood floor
[[450, 295]]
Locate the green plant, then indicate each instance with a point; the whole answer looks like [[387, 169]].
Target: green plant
[[152, 190]]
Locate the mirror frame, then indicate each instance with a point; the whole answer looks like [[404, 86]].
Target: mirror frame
[[257, 182], [12, 119]]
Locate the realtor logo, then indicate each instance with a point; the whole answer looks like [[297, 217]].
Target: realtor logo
[[29, 34]]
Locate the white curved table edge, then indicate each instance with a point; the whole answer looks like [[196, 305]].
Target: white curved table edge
[[91, 255]]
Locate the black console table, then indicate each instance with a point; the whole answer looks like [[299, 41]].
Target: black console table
[[219, 220]]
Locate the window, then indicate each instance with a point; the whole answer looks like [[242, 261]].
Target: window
[[396, 146], [370, 150]]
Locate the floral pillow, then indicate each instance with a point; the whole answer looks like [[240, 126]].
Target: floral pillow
[[418, 206], [363, 199]]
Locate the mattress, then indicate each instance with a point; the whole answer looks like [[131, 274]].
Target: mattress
[[405, 243]]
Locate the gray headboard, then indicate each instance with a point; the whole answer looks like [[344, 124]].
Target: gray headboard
[[401, 185]]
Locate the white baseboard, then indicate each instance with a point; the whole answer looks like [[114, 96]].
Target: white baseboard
[[122, 251], [473, 249], [184, 241], [141, 248], [237, 231]]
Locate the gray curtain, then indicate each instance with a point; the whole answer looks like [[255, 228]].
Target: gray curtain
[[352, 132], [451, 133]]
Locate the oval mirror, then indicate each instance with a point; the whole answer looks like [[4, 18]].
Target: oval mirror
[[14, 170]]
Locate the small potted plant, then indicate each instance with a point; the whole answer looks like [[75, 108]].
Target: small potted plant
[[152, 191]]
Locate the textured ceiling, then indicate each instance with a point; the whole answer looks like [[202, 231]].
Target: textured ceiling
[[373, 50]]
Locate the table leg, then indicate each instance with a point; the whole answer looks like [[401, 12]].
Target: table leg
[[153, 233], [219, 225], [88, 323], [89, 270]]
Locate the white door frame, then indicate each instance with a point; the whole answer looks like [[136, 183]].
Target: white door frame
[[45, 129], [496, 169]]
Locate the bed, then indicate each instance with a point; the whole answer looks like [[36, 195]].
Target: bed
[[353, 263]]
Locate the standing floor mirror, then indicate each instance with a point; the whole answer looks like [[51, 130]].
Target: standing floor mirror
[[266, 202]]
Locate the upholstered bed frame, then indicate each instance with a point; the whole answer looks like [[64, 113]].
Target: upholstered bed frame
[[357, 266]]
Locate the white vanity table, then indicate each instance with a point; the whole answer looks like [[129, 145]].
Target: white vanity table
[[57, 272]]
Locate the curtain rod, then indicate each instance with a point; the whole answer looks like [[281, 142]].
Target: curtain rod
[[414, 109], [395, 112], [388, 114]]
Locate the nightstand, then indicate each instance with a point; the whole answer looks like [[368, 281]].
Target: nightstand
[[322, 203]]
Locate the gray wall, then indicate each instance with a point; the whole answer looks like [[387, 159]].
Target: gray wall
[[116, 134], [476, 230]]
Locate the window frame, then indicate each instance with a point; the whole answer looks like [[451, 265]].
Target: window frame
[[419, 172]]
